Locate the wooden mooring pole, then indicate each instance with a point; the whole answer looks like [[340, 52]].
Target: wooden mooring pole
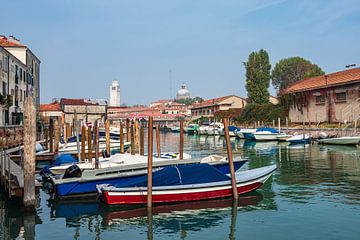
[[121, 138], [96, 143], [158, 140], [230, 159], [83, 133], [150, 158], [51, 135], [141, 140], [29, 153], [132, 150], [136, 137], [107, 136], [181, 150], [127, 130], [57, 135], [90, 152]]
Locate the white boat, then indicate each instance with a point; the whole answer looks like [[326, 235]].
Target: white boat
[[283, 137], [203, 129], [265, 136], [299, 138], [340, 140], [117, 160], [245, 130], [214, 128]]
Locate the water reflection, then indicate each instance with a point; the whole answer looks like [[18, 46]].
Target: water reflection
[[179, 218]]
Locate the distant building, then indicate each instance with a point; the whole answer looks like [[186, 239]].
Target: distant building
[[19, 77], [87, 110], [333, 97], [209, 107], [114, 94], [183, 93], [51, 110]]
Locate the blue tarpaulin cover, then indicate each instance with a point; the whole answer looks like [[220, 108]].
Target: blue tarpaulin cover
[[272, 130], [60, 160], [178, 175], [232, 128]]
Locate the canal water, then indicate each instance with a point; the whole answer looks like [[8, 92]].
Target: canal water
[[314, 194]]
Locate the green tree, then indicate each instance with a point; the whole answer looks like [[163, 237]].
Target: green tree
[[258, 77], [291, 70]]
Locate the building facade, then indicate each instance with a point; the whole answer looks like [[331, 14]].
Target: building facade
[[332, 98], [20, 77], [209, 107], [86, 110], [114, 100]]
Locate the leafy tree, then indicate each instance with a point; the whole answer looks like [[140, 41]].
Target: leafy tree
[[258, 77], [190, 101], [291, 70]]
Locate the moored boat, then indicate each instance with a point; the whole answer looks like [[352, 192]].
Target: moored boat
[[79, 183], [299, 138], [192, 128], [188, 183], [340, 141]]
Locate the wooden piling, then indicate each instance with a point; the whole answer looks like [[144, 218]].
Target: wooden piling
[[136, 137], [150, 158], [158, 147], [181, 150], [51, 135], [47, 138], [279, 125], [141, 140], [230, 159], [57, 135], [107, 136], [90, 153], [83, 133], [96, 143], [121, 138], [29, 152], [132, 139], [128, 130]]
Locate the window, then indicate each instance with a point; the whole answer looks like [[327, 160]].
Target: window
[[320, 99], [341, 96]]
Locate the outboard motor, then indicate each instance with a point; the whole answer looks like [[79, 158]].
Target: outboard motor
[[72, 172]]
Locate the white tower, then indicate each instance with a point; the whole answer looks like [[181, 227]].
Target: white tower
[[114, 94]]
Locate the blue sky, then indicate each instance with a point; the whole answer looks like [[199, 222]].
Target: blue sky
[[85, 44]]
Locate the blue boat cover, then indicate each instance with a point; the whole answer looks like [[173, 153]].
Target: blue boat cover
[[178, 175], [232, 128], [60, 160], [272, 130]]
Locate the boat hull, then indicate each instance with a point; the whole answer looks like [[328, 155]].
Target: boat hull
[[340, 141], [266, 137], [185, 193]]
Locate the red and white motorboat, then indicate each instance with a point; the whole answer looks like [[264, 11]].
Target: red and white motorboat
[[200, 184]]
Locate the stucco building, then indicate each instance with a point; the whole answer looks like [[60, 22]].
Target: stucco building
[[19, 77], [209, 107], [333, 97]]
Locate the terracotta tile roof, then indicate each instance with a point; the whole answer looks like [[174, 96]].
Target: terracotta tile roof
[[54, 106], [5, 42], [332, 79], [211, 102], [69, 101]]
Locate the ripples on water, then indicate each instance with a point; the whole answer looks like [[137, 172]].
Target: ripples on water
[[314, 194]]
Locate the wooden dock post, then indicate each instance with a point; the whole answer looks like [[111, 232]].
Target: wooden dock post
[[29, 152], [136, 137], [107, 136], [47, 138], [90, 152], [121, 137], [83, 134], [51, 135], [150, 159], [141, 140], [128, 130], [181, 150], [132, 139], [273, 123], [57, 135], [230, 159], [96, 143], [279, 125], [158, 140]]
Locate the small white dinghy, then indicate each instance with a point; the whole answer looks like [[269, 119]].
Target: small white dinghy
[[340, 141]]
